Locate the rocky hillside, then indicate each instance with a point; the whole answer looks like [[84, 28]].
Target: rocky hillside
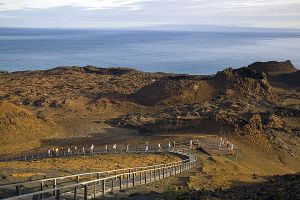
[[90, 84], [45, 88], [18, 124]]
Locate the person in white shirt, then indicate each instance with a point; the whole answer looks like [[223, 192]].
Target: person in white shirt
[[92, 149], [146, 147], [57, 152]]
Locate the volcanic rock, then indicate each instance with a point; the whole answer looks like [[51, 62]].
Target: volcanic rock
[[273, 67]]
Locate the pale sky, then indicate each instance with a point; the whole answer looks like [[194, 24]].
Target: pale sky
[[140, 13]]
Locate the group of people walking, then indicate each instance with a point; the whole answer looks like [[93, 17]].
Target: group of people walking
[[56, 152]]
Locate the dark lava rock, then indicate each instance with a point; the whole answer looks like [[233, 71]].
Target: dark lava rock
[[273, 66]]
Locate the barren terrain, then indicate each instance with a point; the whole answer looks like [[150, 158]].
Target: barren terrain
[[255, 107]]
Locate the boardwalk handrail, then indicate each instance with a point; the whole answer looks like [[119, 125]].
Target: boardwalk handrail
[[90, 173], [183, 165], [96, 173]]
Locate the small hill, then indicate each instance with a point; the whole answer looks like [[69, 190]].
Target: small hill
[[242, 82], [273, 67], [157, 91], [19, 125]]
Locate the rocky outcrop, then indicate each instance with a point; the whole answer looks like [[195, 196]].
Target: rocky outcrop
[[273, 67], [242, 82]]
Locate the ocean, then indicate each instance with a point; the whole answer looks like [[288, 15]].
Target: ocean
[[147, 50]]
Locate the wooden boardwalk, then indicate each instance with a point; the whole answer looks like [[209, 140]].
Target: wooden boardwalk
[[90, 185]]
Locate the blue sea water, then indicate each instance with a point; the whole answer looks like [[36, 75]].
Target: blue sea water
[[168, 51]]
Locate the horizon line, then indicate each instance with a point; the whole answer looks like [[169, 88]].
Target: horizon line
[[190, 27]]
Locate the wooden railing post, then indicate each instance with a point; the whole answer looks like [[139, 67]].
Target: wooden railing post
[[133, 179], [54, 186], [145, 177], [75, 193], [95, 189], [127, 183], [140, 178], [112, 184], [103, 186], [57, 196], [18, 190], [42, 188], [167, 171], [98, 177], [159, 170], [120, 179], [85, 196]]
